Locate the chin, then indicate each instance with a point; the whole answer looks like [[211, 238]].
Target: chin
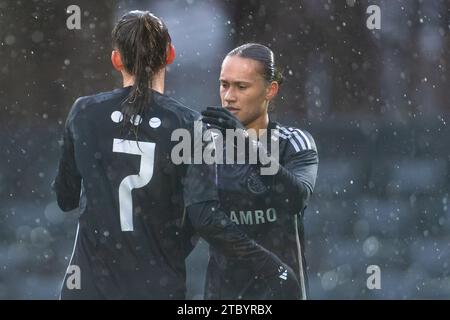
[[243, 121]]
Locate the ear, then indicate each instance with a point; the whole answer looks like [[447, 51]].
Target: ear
[[116, 60], [272, 90], [170, 54]]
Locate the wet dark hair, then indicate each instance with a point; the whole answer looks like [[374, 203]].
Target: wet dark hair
[[262, 54], [142, 40]]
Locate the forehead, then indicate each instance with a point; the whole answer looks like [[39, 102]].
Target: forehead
[[235, 68]]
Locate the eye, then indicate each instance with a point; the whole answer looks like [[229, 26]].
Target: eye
[[242, 87], [223, 85]]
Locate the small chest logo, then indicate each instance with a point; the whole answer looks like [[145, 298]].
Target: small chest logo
[[254, 184]]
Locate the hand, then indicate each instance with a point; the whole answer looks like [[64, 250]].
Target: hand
[[221, 118], [281, 286]]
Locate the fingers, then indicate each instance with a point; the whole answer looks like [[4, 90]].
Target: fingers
[[214, 113], [220, 110], [227, 112], [213, 121], [219, 122], [217, 117], [224, 118]]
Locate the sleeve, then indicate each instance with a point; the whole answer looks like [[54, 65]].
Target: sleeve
[[213, 225], [293, 184], [200, 180], [67, 183]]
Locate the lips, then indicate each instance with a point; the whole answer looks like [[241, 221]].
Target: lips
[[232, 109]]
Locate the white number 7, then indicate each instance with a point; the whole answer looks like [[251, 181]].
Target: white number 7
[[147, 152]]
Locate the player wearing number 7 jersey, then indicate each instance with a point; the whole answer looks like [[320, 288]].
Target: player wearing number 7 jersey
[[139, 210]]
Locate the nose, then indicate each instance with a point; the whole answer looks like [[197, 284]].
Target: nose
[[229, 96]]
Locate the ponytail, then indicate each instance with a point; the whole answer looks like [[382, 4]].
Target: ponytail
[[142, 40]]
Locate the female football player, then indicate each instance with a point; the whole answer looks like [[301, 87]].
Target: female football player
[[266, 207]]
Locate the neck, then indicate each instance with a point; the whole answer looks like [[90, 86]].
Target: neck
[[260, 123], [157, 83]]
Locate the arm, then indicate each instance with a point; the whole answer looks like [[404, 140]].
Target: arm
[[219, 231], [294, 182], [203, 211], [67, 184]]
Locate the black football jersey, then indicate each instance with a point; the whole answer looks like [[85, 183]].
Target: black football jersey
[[265, 207], [131, 240]]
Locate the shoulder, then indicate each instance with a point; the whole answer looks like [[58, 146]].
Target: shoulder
[[298, 139], [185, 114], [86, 102]]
